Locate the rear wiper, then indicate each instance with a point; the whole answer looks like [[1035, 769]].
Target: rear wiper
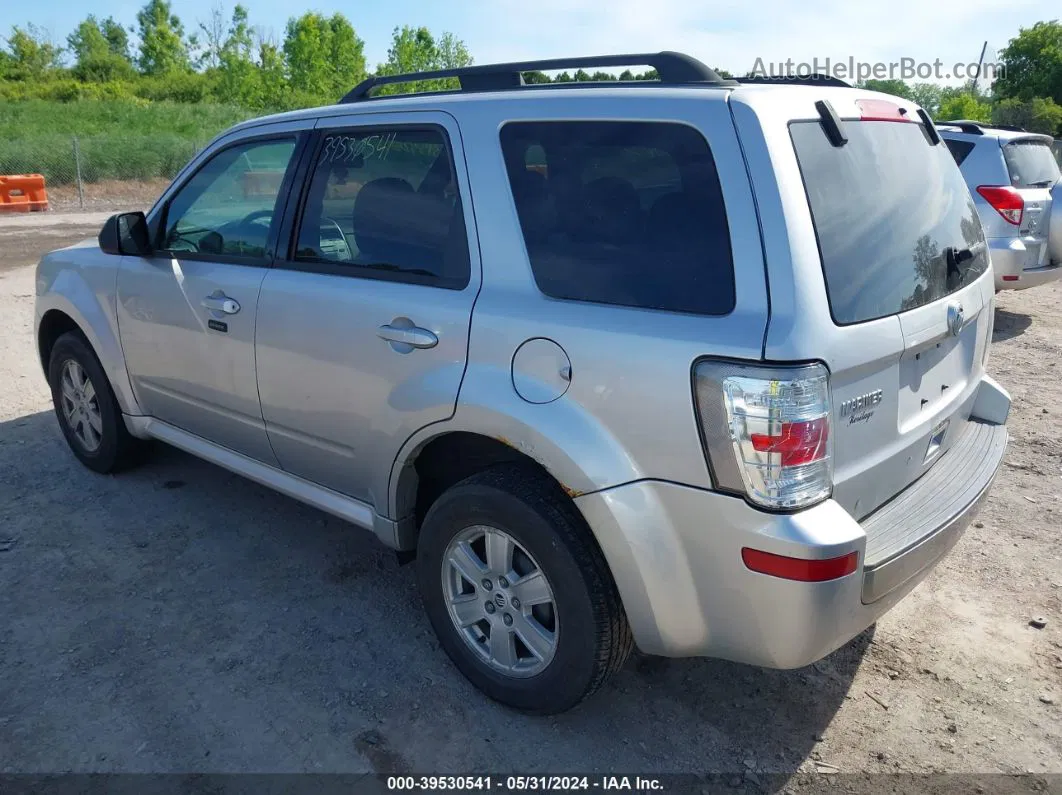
[[390, 266], [955, 257], [962, 255], [1043, 183]]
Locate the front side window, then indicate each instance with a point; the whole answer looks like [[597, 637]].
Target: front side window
[[383, 203], [228, 206], [626, 213]]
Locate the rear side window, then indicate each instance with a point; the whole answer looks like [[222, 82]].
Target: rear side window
[[627, 213], [1031, 164], [895, 223], [960, 150], [383, 204]]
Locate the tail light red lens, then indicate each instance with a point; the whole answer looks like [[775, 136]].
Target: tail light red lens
[[1005, 200], [775, 420], [797, 568], [798, 442]]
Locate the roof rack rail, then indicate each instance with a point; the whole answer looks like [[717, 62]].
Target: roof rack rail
[[967, 126], [674, 68], [797, 80]]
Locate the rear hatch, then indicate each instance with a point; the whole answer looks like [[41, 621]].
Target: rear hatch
[[886, 279], [1033, 173]]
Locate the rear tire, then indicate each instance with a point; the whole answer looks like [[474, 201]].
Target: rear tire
[[87, 410], [577, 633]]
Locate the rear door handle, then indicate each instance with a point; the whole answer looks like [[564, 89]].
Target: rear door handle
[[411, 336], [219, 302]]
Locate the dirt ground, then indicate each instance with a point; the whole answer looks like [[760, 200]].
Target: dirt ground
[[180, 619], [113, 195]]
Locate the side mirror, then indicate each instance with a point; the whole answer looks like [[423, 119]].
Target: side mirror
[[126, 233]]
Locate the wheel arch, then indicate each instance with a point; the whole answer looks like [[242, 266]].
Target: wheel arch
[[70, 305], [442, 459]]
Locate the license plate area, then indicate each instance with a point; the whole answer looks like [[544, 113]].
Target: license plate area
[[935, 376]]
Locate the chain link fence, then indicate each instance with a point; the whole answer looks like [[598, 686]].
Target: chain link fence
[[99, 172]]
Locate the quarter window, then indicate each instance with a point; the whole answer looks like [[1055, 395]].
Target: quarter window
[[228, 207], [383, 203], [627, 213]]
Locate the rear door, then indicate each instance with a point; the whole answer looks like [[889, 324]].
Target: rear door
[[363, 322], [887, 281]]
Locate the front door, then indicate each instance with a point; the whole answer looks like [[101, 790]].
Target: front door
[[186, 314], [363, 327]]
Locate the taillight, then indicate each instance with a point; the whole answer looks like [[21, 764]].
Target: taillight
[[767, 430], [1005, 200]]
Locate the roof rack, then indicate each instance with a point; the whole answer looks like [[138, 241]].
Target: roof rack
[[967, 126], [797, 80], [978, 127], [674, 68]]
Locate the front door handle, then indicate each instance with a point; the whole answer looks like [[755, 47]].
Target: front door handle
[[404, 338], [219, 302]]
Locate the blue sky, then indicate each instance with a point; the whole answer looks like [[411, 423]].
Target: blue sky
[[730, 34]]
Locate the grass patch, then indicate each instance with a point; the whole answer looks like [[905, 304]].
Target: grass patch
[[120, 139]]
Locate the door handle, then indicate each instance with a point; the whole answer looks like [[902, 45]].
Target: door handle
[[219, 302], [411, 336]]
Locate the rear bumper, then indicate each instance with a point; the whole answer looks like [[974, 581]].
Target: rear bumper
[[675, 553], [1019, 263]]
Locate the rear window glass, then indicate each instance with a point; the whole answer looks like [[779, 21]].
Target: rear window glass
[[896, 226], [1031, 164], [627, 213], [960, 150]]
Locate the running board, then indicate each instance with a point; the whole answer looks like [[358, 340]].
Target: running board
[[354, 511]]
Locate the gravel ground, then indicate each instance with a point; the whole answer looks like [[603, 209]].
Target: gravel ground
[[180, 619]]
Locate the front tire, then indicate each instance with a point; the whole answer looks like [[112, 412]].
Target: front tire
[[87, 410], [518, 592]]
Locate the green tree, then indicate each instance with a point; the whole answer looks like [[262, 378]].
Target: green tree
[[1032, 63], [325, 57], [272, 76], [1040, 114], [94, 56], [416, 50], [964, 105], [32, 53], [239, 79], [453, 54], [927, 96], [898, 88], [213, 37], [162, 45], [117, 38]]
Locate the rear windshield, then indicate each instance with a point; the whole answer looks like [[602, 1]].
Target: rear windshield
[[896, 226], [1031, 164], [622, 212]]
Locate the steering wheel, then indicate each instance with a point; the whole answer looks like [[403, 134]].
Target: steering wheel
[[343, 251], [255, 216]]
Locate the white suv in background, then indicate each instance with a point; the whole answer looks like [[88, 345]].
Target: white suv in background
[[1014, 178]]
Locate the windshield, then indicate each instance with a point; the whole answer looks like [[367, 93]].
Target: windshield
[[1031, 164], [895, 223]]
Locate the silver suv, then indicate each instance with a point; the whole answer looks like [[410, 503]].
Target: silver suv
[[694, 365], [1014, 178]]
